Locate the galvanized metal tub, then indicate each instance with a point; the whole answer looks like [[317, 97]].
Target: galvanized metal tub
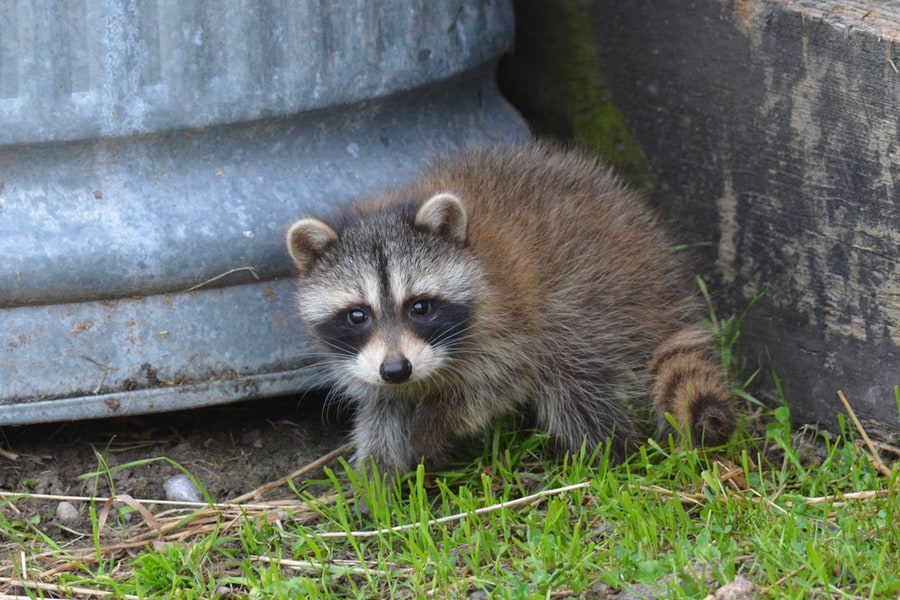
[[152, 155]]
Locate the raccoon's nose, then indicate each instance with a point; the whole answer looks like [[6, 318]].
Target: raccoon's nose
[[396, 371]]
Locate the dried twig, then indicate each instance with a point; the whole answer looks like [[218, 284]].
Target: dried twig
[[459, 516], [223, 506], [693, 499], [838, 498], [301, 471], [890, 56], [875, 458], [106, 369], [203, 284], [149, 519], [347, 567], [60, 589], [886, 447]]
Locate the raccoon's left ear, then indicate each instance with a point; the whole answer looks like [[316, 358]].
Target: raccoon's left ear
[[306, 240], [443, 214]]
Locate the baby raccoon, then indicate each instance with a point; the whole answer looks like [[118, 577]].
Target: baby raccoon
[[515, 278]]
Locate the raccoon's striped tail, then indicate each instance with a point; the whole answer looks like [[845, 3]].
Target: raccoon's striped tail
[[689, 384]]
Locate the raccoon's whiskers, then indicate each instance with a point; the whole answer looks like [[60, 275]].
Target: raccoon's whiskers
[[336, 399], [342, 348]]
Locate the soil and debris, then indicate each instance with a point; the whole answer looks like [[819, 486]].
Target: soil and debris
[[229, 450]]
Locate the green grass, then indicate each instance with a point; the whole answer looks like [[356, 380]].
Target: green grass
[[665, 523], [514, 523]]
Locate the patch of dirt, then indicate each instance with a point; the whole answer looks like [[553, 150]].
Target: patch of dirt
[[230, 450]]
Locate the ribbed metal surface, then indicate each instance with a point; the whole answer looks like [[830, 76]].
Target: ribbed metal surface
[[147, 148], [85, 68]]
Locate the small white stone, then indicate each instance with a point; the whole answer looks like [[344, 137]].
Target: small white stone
[[180, 488], [67, 514]]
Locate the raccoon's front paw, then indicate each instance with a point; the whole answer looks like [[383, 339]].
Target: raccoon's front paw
[[379, 483], [429, 451]]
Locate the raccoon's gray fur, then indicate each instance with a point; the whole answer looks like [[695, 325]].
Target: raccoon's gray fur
[[516, 278]]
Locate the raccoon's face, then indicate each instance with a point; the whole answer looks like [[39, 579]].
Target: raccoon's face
[[389, 297]]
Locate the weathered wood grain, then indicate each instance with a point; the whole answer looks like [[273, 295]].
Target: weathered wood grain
[[771, 128]]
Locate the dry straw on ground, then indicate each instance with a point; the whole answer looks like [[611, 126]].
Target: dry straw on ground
[[184, 522]]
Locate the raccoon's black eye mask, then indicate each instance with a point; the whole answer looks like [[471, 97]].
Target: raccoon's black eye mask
[[438, 320], [346, 330]]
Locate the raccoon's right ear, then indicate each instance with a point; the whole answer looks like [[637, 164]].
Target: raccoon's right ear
[[444, 214], [306, 240]]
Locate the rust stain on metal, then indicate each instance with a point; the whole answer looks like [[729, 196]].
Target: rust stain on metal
[[82, 326], [224, 375], [130, 325], [20, 341], [249, 388], [146, 377]]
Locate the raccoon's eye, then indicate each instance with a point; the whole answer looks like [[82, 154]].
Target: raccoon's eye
[[357, 316], [420, 308]]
